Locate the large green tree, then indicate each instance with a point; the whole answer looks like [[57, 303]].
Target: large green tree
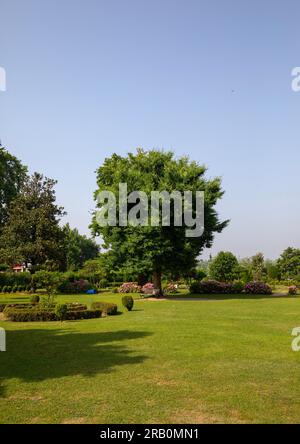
[[32, 233], [12, 176], [155, 250], [224, 267], [289, 263], [79, 248]]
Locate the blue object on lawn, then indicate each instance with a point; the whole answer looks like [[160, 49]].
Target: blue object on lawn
[[92, 291]]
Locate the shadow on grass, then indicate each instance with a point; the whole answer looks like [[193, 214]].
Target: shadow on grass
[[40, 354]]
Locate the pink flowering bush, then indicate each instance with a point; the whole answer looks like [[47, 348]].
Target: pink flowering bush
[[148, 288], [129, 287], [256, 287], [292, 290]]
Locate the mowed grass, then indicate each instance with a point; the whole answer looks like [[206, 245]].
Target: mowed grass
[[170, 361]]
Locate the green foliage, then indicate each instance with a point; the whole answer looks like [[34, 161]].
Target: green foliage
[[128, 302], [224, 267], [35, 299], [32, 233], [258, 266], [144, 250], [12, 176], [103, 283], [289, 263], [79, 248], [61, 311], [49, 281], [106, 307]]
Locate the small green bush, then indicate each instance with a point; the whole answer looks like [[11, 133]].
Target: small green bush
[[35, 299], [103, 283], [106, 307], [128, 302], [83, 314], [61, 311]]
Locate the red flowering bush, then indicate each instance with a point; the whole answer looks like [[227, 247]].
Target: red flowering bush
[[129, 287], [257, 288], [292, 290]]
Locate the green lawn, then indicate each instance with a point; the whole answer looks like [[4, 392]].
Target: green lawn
[[169, 361]]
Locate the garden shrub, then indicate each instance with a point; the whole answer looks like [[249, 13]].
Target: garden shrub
[[76, 306], [209, 287], [129, 287], [103, 283], [35, 299], [292, 290], [257, 287], [237, 287], [8, 289], [171, 288], [148, 288], [83, 314], [15, 314], [128, 302], [107, 307], [61, 311], [14, 289]]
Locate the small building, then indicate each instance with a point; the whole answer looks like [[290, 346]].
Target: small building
[[19, 268]]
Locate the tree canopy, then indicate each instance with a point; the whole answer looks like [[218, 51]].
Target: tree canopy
[[224, 267], [79, 248], [32, 233], [157, 249], [289, 263], [12, 176]]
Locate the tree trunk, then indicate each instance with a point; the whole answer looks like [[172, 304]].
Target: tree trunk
[[157, 283]]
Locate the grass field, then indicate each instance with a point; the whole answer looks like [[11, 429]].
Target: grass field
[[228, 360]]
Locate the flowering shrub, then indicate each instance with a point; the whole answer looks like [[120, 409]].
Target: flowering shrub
[[258, 288], [148, 288], [129, 287], [209, 287], [80, 286], [292, 290], [171, 288]]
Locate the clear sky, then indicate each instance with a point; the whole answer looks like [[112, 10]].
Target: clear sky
[[211, 79]]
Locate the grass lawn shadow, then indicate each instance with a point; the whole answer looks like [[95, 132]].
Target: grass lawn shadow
[[40, 354]]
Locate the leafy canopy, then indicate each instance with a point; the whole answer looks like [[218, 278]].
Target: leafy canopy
[[32, 233], [157, 250], [12, 176]]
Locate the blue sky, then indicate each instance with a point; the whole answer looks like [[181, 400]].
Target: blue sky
[[89, 78]]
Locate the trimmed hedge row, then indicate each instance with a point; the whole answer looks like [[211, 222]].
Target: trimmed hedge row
[[216, 287], [106, 307], [35, 314]]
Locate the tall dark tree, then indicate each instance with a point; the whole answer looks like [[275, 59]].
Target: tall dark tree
[[32, 233], [12, 176], [79, 248], [159, 249]]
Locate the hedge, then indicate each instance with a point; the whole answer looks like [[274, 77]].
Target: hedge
[[216, 287], [107, 307], [34, 314]]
